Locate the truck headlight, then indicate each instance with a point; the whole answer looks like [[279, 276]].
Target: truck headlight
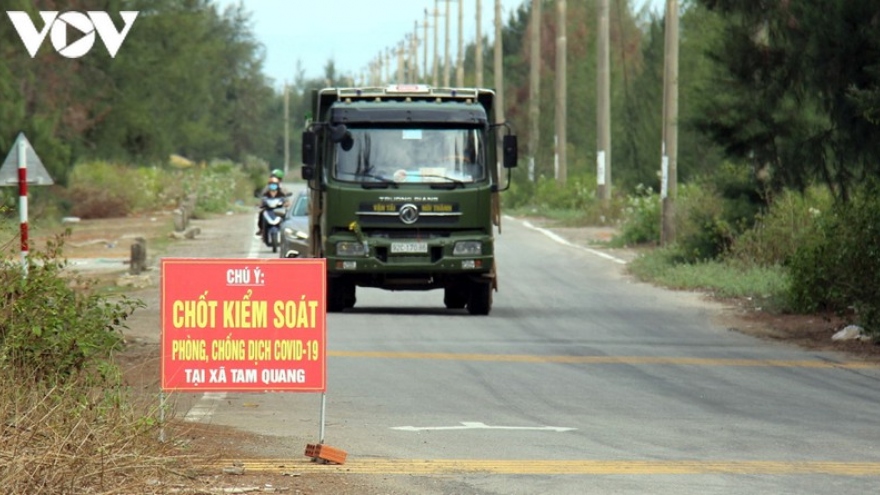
[[467, 248], [349, 248], [293, 234]]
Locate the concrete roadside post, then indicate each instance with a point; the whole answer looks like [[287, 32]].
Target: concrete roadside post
[[138, 261]]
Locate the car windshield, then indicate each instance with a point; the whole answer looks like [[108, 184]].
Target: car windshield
[[412, 156], [300, 207]]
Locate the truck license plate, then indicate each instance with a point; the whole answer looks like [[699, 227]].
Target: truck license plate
[[409, 247]]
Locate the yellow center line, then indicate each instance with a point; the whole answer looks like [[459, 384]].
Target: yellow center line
[[523, 358], [543, 467]]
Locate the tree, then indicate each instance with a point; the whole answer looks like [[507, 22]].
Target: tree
[[795, 90], [188, 79]]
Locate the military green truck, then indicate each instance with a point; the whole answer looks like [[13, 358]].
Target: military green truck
[[404, 191]]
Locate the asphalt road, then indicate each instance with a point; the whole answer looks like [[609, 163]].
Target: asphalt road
[[580, 381]]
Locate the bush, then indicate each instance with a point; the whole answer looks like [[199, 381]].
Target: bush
[[52, 326], [641, 218], [218, 185], [572, 204], [837, 268], [578, 193], [700, 229], [703, 225], [714, 210], [101, 190], [521, 193], [105, 190], [777, 232]]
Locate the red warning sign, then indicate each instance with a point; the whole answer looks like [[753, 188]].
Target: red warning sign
[[243, 324]]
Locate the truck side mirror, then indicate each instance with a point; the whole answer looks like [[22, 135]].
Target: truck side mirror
[[509, 149], [340, 134], [307, 172], [309, 149]]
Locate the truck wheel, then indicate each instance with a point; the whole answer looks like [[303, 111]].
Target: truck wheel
[[349, 295], [336, 295], [480, 299], [455, 297]]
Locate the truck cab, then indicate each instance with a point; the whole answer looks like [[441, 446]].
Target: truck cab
[[404, 185]]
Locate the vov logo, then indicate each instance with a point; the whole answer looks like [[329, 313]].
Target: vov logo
[[57, 25]]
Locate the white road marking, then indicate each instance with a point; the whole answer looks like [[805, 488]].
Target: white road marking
[[205, 407], [466, 425], [565, 242], [256, 245]]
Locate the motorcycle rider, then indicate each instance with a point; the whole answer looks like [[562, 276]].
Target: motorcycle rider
[[273, 190], [276, 174]]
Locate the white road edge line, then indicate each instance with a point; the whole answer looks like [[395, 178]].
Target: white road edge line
[[565, 242], [256, 245], [207, 404]]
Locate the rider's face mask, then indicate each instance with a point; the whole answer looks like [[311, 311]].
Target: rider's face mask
[[273, 187]]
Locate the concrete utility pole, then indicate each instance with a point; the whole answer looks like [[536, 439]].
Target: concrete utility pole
[[603, 108], [414, 55], [479, 46], [534, 85], [561, 100], [446, 49], [425, 46], [378, 71], [668, 170], [499, 76], [434, 74], [400, 62], [286, 128], [459, 66]]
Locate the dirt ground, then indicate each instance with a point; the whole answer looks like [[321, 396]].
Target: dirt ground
[[99, 249]]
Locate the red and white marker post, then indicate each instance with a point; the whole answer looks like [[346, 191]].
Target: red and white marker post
[[23, 202], [22, 165]]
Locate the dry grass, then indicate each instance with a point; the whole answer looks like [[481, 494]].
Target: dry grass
[[76, 439], [64, 441]]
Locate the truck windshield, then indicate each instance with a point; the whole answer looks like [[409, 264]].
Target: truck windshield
[[412, 156]]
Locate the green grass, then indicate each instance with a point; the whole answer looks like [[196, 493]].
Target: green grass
[[765, 286]]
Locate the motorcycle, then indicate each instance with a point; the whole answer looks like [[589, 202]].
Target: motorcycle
[[273, 210]]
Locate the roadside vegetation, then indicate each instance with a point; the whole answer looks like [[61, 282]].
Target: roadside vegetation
[[72, 424], [786, 252], [66, 422]]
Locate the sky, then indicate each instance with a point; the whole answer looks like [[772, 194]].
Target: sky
[[354, 32]]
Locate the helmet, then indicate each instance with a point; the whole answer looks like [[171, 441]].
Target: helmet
[[277, 173]]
